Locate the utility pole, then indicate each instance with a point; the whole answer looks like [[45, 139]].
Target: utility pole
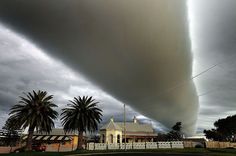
[[125, 125]]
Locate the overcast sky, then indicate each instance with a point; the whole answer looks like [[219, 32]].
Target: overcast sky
[[213, 36], [24, 67]]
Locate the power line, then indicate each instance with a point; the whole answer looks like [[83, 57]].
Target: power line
[[199, 74], [203, 72]]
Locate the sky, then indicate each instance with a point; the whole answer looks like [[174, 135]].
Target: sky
[[213, 38], [157, 83], [25, 67]]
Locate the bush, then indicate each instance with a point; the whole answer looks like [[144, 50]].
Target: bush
[[198, 146]]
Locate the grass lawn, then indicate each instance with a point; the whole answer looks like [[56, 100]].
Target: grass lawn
[[157, 152]]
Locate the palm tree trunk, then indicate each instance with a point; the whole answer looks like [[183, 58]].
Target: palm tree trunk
[[29, 139], [80, 140]]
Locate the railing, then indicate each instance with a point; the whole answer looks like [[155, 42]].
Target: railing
[[135, 145]]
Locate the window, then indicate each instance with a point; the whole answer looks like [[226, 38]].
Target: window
[[103, 138], [118, 138], [111, 138]]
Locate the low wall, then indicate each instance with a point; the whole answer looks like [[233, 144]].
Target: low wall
[[7, 149], [135, 145], [56, 147], [193, 144], [217, 144]]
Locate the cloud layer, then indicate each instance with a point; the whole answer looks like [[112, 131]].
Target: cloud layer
[[136, 50], [213, 36], [25, 67]]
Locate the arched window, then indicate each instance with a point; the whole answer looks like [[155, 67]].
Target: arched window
[[118, 138], [103, 138], [111, 138]]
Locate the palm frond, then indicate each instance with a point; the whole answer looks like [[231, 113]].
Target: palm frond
[[35, 109]]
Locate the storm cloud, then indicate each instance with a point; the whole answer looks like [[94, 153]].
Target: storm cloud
[[25, 67], [213, 36], [136, 50]]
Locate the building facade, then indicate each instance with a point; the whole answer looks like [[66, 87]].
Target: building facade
[[56, 140], [113, 132]]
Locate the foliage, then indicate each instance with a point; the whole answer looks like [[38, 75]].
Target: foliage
[[224, 130], [174, 134], [9, 134], [9, 138], [11, 124], [35, 111], [177, 127], [82, 114]]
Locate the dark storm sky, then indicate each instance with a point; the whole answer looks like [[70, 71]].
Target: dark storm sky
[[156, 68]]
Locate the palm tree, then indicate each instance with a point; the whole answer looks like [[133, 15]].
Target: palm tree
[[35, 111], [82, 114]]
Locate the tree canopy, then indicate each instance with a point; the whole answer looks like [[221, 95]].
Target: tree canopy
[[12, 124], [34, 110], [174, 134], [82, 114], [225, 129]]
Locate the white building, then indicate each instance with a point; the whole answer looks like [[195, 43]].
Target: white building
[[113, 132]]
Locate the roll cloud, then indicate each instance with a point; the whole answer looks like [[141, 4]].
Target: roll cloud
[[137, 50]]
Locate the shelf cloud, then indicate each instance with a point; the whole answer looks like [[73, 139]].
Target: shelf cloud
[[137, 51]]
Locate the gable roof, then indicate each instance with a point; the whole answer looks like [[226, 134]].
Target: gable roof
[[56, 131], [136, 127], [111, 126], [130, 127]]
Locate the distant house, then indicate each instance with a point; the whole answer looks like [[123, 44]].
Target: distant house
[[56, 140], [113, 132]]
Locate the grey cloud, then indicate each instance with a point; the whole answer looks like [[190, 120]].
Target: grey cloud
[[24, 67], [135, 50], [214, 42]]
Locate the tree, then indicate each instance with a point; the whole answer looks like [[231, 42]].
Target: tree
[[177, 127], [176, 132], [162, 137], [11, 124], [82, 114], [11, 134], [34, 111], [213, 135], [224, 129]]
